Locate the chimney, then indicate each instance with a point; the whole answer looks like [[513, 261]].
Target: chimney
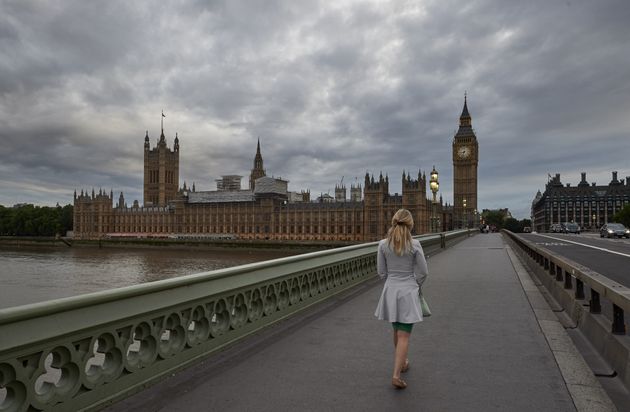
[[583, 182], [614, 180]]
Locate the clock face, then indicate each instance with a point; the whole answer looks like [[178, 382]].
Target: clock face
[[464, 152]]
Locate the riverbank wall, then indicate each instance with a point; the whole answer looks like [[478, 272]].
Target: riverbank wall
[[305, 246]]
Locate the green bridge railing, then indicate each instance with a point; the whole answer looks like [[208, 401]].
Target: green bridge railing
[[85, 352]]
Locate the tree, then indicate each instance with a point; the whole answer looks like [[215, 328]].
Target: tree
[[513, 225], [66, 218], [494, 217], [29, 220], [623, 216], [5, 221]]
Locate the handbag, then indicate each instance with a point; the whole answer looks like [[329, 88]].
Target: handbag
[[424, 306]]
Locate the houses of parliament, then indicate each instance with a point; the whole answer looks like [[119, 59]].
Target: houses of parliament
[[267, 210]]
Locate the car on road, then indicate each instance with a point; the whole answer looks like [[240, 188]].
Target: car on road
[[614, 230], [571, 228], [555, 228], [527, 229]]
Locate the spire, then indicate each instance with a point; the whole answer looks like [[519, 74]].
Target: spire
[[465, 111], [258, 171], [464, 119], [258, 162]]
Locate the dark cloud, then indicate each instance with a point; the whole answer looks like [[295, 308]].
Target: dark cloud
[[332, 89]]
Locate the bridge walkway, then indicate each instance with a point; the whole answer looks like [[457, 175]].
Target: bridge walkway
[[491, 344]]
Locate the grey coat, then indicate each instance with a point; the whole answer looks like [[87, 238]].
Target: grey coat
[[403, 276]]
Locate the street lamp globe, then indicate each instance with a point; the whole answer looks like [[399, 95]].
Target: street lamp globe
[[434, 184]]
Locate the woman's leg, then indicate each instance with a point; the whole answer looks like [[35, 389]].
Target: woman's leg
[[402, 345], [395, 339]]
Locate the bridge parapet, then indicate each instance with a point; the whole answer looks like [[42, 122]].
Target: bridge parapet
[[87, 351], [570, 284]]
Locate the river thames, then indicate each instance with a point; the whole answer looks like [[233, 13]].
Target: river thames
[[35, 274]]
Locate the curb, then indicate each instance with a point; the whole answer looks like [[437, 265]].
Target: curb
[[585, 391]]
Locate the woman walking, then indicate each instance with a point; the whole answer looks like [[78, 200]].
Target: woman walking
[[400, 260]]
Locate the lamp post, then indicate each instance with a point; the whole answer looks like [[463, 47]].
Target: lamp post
[[465, 222], [434, 185]]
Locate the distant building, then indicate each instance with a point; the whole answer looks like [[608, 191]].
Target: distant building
[[588, 205], [534, 202], [267, 209], [229, 183]]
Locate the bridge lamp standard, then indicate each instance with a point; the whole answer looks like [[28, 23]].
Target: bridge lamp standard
[[465, 222], [434, 184]]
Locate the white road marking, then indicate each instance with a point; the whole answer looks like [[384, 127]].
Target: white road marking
[[583, 244]]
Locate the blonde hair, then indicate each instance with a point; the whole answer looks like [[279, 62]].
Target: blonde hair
[[399, 235]]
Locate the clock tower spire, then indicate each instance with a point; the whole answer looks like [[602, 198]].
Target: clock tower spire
[[465, 161]]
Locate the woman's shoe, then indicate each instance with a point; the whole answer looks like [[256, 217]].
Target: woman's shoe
[[405, 367], [399, 383]]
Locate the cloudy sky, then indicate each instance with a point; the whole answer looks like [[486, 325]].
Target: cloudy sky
[[332, 88]]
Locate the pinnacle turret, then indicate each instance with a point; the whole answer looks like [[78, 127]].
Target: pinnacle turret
[[465, 119]]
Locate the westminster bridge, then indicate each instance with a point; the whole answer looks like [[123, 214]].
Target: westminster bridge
[[515, 326]]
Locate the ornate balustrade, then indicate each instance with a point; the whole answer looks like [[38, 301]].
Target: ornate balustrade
[[87, 351]]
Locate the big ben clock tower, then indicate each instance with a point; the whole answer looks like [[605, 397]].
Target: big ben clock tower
[[465, 160]]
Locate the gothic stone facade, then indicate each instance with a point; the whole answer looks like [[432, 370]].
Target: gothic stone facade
[[161, 172], [267, 210], [465, 161], [258, 214], [588, 205]]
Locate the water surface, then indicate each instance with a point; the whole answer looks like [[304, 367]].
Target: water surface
[[35, 274]]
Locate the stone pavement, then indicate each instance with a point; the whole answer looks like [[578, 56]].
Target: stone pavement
[[483, 349]]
